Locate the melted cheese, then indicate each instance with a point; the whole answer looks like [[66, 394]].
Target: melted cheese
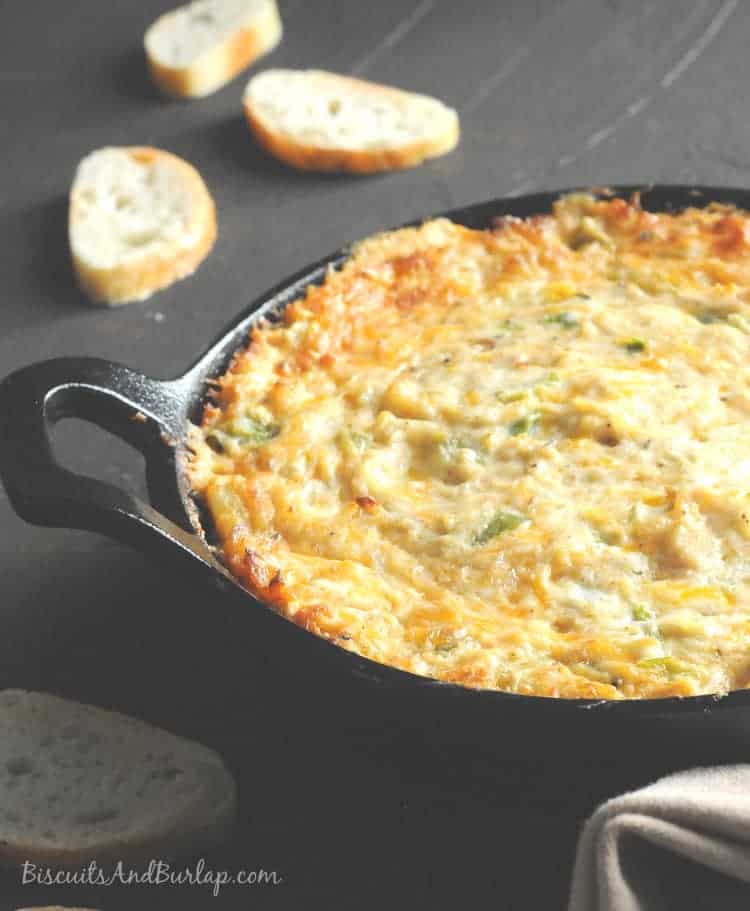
[[515, 459]]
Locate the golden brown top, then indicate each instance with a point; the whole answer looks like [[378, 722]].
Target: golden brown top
[[516, 459]]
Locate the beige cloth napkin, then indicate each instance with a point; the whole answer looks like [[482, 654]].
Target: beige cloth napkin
[[702, 815]]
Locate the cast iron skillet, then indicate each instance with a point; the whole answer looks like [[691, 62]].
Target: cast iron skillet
[[151, 415]]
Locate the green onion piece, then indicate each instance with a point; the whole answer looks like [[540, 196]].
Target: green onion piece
[[642, 612], [514, 395], [564, 319], [232, 435], [634, 345], [360, 441], [738, 321], [501, 522], [354, 442], [668, 663], [709, 316], [462, 441], [448, 449], [251, 430], [526, 424]]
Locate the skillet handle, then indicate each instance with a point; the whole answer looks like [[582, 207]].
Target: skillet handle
[[147, 413]]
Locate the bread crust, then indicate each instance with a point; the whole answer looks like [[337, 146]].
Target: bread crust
[[313, 157], [139, 278], [133, 849], [179, 834], [222, 63]]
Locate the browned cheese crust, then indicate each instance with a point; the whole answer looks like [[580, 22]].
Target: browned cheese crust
[[514, 459]]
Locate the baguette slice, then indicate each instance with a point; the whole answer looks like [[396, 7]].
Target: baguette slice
[[197, 48], [78, 783], [320, 121], [139, 219]]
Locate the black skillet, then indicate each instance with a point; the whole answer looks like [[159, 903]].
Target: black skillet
[[152, 416]]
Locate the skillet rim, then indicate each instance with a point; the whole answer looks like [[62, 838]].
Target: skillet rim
[[215, 359]]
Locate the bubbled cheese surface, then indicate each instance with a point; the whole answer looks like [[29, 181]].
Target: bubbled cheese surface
[[515, 459]]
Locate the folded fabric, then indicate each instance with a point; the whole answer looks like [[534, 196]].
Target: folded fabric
[[702, 816]]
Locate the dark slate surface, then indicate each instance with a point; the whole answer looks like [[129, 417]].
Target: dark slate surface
[[552, 94]]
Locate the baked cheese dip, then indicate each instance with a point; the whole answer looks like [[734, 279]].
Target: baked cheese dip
[[515, 459]]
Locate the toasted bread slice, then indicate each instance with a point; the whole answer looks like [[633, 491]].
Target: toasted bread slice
[[321, 121], [196, 49], [139, 219], [78, 783]]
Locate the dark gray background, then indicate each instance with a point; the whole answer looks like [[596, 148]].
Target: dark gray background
[[551, 94]]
